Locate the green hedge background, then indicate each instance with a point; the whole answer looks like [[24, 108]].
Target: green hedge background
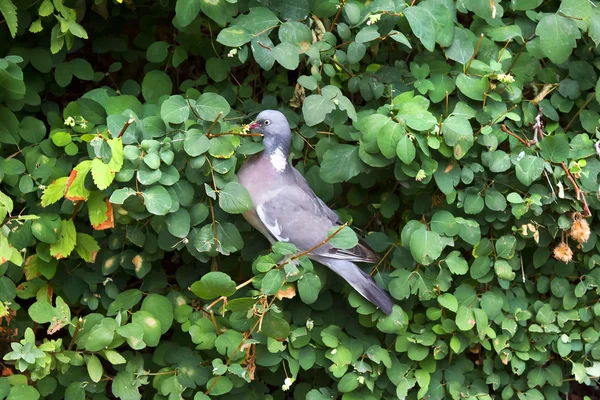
[[457, 137]]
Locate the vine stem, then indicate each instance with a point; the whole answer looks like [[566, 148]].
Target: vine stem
[[75, 333], [125, 126], [337, 15], [505, 130], [579, 111], [578, 192]]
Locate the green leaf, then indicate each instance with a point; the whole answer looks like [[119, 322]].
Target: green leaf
[[456, 263], [261, 50], [195, 142], [186, 11], [94, 368], [54, 192], [234, 199], [212, 285], [343, 239], [315, 109], [179, 223], [9, 12], [448, 301], [161, 308], [87, 247], [234, 36], [348, 383], [340, 163], [157, 52], [102, 174], [422, 24], [287, 55], [42, 312], [471, 86], [157, 200], [175, 110], [529, 169], [211, 106], [125, 301], [273, 281], [216, 10], [367, 34], [156, 84], [406, 150], [275, 327], [558, 36], [425, 246], [66, 240], [125, 387], [555, 148], [309, 287]]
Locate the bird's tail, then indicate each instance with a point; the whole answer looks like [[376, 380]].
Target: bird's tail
[[361, 281]]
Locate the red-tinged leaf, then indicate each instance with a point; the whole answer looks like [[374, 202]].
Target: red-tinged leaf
[[75, 189], [31, 268], [109, 222]]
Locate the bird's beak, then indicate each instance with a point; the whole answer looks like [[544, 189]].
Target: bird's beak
[[253, 125]]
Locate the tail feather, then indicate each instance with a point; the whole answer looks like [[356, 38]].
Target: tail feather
[[361, 282]]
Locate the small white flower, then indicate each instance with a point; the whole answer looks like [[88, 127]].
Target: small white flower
[[70, 121], [232, 53], [373, 19], [310, 324], [506, 78], [287, 383], [420, 175]]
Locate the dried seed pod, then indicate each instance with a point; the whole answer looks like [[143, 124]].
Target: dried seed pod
[[563, 252], [580, 230]]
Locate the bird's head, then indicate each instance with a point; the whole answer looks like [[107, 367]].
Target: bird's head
[[275, 128]]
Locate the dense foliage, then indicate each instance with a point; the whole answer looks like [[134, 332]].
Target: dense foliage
[[456, 136]]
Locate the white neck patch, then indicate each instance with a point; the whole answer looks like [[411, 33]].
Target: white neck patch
[[278, 160]]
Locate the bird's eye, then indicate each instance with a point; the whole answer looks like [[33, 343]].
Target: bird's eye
[[267, 122]]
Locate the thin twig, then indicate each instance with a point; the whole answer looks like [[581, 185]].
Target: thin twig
[[580, 195], [214, 123], [387, 253], [77, 207], [579, 111], [505, 130], [297, 256], [337, 15], [474, 54], [125, 126], [212, 135], [75, 333], [264, 46]]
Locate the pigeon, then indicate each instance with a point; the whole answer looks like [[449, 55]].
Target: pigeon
[[284, 208]]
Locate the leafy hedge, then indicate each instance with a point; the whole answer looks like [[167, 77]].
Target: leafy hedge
[[458, 137]]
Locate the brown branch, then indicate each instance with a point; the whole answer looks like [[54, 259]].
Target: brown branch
[[580, 195], [579, 111], [474, 54], [263, 45], [212, 135], [214, 123], [125, 126], [75, 333], [337, 15], [387, 253], [505, 130], [297, 256], [77, 207]]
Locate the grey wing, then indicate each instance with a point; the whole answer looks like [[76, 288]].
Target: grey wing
[[303, 184], [292, 215]]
